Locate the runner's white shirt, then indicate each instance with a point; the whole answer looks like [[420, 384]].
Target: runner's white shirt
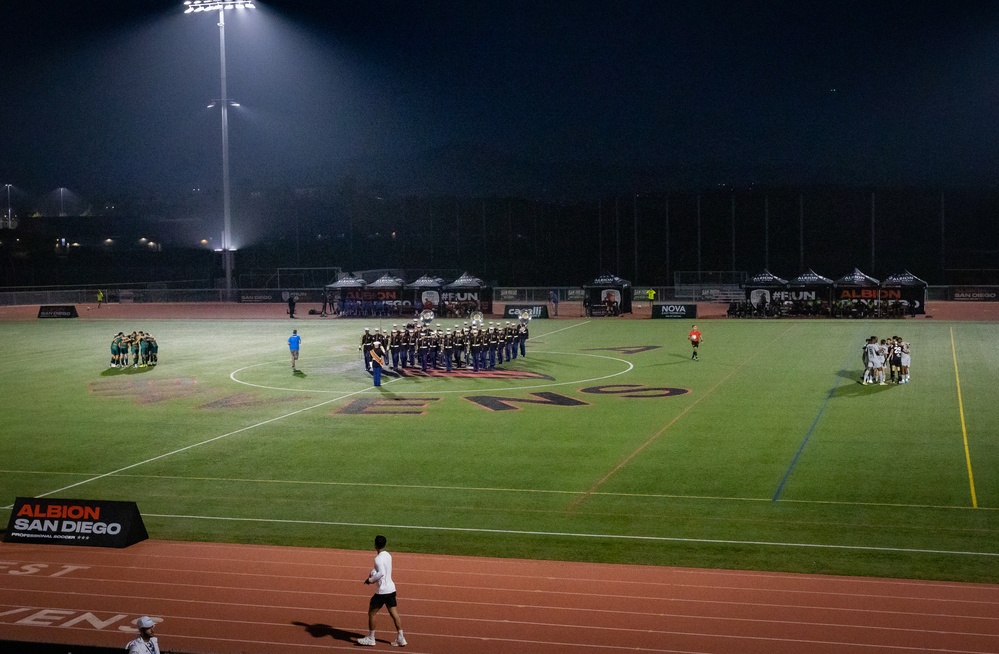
[[383, 573]]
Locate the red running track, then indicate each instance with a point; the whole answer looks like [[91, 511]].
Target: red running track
[[230, 599]]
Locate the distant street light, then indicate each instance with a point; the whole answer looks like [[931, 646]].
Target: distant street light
[[196, 6], [10, 223]]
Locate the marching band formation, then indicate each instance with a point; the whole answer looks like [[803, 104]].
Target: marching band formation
[[470, 346], [143, 347]]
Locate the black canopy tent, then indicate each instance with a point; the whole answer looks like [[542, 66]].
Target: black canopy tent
[[605, 291], [346, 290], [387, 289], [466, 294], [426, 292], [856, 294], [856, 279], [906, 289], [809, 293], [387, 281], [347, 281], [760, 287]]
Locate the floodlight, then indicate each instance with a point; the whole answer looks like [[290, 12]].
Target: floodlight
[[195, 6]]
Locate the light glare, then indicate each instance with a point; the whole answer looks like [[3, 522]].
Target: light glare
[[212, 5]]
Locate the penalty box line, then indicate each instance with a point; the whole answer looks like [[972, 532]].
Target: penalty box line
[[204, 442], [522, 532]]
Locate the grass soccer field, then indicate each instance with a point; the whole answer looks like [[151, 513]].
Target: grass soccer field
[[606, 443]]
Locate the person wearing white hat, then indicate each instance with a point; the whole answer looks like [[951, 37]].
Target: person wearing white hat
[[377, 362], [367, 339], [395, 345], [447, 346], [146, 643]]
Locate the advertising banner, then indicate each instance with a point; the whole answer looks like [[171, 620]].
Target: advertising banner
[[911, 299], [265, 295], [57, 311], [676, 311], [94, 523], [973, 294], [512, 311]]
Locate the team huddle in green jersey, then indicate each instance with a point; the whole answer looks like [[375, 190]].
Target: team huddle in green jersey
[[141, 345]]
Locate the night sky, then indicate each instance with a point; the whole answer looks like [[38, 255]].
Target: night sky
[[547, 99]]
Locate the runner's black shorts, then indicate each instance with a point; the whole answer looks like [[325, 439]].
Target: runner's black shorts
[[378, 601]]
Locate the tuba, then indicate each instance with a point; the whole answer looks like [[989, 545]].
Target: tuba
[[427, 317], [525, 316], [476, 319]]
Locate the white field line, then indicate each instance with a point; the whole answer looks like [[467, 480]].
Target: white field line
[[199, 444], [628, 367], [522, 532], [538, 491]]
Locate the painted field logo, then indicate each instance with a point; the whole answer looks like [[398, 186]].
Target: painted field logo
[[146, 392]]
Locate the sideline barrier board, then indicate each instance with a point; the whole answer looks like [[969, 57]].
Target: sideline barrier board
[[58, 311], [512, 311], [675, 311], [94, 523]]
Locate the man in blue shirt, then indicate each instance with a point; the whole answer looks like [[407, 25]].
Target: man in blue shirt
[[294, 343]]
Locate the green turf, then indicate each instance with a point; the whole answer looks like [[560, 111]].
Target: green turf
[[775, 459]]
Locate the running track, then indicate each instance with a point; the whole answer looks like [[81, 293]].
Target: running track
[[230, 599]]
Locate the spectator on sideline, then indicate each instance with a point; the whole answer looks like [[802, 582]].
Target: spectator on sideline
[[146, 643], [553, 298]]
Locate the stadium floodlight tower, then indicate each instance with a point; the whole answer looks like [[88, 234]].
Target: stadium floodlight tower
[[10, 223], [198, 6]]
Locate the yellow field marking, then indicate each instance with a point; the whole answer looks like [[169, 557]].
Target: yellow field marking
[[964, 426]]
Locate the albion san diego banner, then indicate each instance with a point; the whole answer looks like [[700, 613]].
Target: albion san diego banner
[[95, 523]]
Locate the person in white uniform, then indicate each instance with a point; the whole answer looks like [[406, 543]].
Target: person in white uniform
[[906, 361], [384, 596], [146, 643]]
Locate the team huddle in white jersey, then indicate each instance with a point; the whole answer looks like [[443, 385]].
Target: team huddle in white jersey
[[884, 360]]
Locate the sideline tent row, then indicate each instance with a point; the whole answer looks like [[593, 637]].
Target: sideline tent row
[[855, 294], [392, 295]]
